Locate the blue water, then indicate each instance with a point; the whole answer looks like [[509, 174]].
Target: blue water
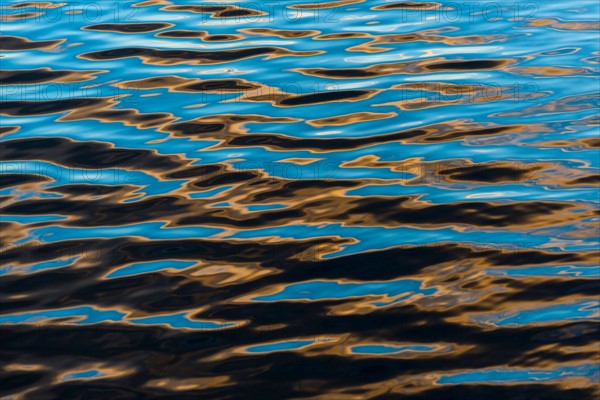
[[351, 199]]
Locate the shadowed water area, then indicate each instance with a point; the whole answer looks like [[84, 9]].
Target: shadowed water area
[[349, 199]]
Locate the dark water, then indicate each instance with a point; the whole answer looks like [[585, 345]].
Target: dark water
[[355, 199]]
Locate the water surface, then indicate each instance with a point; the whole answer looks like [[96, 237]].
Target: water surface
[[352, 199]]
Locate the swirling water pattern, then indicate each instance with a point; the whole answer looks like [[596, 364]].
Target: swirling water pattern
[[353, 199]]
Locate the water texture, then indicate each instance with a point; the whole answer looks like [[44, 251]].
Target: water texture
[[349, 199]]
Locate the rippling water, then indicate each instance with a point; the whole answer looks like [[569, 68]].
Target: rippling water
[[354, 199]]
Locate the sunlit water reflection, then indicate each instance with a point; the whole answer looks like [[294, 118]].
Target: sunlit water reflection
[[350, 199]]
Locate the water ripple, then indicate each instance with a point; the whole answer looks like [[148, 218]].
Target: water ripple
[[341, 199]]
